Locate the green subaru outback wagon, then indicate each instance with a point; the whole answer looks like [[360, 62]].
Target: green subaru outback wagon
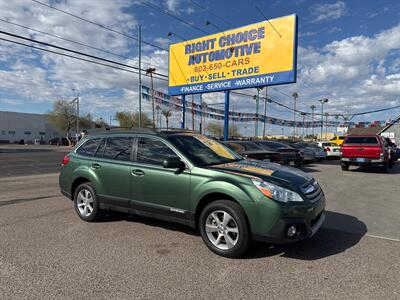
[[191, 179]]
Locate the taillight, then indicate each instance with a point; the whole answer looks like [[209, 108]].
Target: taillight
[[327, 149], [65, 160]]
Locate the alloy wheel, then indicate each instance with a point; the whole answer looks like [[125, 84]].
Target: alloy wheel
[[222, 230], [85, 202]]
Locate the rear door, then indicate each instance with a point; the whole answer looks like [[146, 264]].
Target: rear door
[[113, 168], [154, 187]]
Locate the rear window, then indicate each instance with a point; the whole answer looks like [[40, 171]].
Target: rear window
[[89, 147], [235, 146], [361, 140], [326, 144], [249, 146]]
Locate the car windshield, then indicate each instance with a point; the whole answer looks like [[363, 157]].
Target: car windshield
[[203, 151], [361, 140]]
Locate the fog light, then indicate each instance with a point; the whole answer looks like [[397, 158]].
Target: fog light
[[292, 230]]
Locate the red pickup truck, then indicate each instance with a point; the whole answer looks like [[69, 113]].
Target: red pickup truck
[[364, 150]]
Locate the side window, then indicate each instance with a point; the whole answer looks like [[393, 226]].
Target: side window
[[100, 150], [118, 148], [89, 147], [151, 151]]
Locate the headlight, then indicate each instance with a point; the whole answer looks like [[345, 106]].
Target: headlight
[[276, 192]]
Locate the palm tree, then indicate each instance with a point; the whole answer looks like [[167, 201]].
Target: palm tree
[[166, 113]]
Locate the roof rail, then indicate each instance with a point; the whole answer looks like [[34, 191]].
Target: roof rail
[[110, 130]]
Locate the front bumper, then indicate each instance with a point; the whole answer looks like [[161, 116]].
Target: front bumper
[[307, 219]]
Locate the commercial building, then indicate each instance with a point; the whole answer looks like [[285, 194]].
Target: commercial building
[[28, 128]]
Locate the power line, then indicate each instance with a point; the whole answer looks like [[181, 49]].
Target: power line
[[98, 24], [74, 51], [74, 57], [69, 40], [265, 17], [212, 13], [166, 12]]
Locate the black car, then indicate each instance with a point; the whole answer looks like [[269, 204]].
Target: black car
[[286, 155], [251, 150]]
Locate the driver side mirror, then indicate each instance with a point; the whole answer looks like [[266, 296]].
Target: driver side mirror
[[173, 163]]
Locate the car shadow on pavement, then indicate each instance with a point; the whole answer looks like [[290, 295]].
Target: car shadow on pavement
[[376, 169], [339, 233], [113, 216], [309, 168]]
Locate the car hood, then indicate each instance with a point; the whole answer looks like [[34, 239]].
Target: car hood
[[266, 171]]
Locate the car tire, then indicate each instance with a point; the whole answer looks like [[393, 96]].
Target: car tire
[[224, 228], [345, 167], [86, 203], [385, 167], [391, 163]]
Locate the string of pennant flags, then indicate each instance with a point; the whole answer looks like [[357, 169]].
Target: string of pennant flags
[[199, 110]]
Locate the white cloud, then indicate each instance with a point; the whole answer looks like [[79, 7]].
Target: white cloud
[[328, 11]]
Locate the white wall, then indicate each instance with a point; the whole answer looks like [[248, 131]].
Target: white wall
[[16, 126]]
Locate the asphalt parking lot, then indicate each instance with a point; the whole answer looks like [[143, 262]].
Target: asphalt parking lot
[[47, 252]]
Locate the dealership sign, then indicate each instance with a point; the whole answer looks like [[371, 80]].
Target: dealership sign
[[260, 54]]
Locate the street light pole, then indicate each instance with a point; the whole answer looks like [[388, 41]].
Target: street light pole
[[140, 74], [151, 71], [326, 125], [304, 115], [257, 98], [295, 95], [323, 101], [76, 100], [312, 118], [265, 110]]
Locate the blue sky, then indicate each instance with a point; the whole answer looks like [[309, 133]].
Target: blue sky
[[348, 53]]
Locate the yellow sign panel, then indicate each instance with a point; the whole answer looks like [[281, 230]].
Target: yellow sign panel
[[260, 54]]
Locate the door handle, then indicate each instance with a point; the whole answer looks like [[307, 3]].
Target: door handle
[[95, 166], [137, 172]]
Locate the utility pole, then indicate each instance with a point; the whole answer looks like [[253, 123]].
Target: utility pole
[[323, 101], [265, 110], [192, 112], [151, 71], [140, 73], [295, 95], [312, 118]]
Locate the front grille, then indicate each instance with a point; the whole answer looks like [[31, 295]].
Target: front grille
[[315, 195]]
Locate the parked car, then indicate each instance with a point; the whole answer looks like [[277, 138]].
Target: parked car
[[287, 154], [307, 152], [365, 150], [251, 150], [332, 150], [319, 152], [338, 139], [191, 179]]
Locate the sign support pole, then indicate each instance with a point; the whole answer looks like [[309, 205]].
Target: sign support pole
[[140, 74], [183, 111], [226, 116]]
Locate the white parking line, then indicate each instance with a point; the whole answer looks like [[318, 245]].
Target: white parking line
[[382, 237]]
